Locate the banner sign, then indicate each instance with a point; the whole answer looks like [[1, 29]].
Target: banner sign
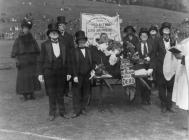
[[127, 73], [95, 24]]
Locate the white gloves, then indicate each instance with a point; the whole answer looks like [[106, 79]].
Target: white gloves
[[76, 80], [149, 71], [92, 74], [69, 77], [41, 78], [147, 59]]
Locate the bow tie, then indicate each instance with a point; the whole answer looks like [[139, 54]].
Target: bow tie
[[82, 48], [55, 42], [166, 40]]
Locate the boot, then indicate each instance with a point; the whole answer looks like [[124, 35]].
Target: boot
[[31, 96], [25, 97]]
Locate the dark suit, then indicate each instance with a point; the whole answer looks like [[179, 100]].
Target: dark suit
[[141, 88], [68, 41], [54, 69], [153, 40], [163, 84], [82, 67]]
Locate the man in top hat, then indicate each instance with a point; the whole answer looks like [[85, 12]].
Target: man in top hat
[[165, 85], [67, 39], [146, 54], [82, 70], [53, 70]]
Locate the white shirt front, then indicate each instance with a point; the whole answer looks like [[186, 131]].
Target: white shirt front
[[142, 48], [56, 49], [83, 52], [167, 45]]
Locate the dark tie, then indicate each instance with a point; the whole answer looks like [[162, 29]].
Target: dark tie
[[145, 50]]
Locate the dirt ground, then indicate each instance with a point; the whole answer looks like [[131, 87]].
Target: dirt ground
[[20, 120]]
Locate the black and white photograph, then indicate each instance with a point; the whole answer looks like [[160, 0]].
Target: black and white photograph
[[94, 69]]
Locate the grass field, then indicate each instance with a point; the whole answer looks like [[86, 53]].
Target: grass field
[[136, 15], [21, 120]]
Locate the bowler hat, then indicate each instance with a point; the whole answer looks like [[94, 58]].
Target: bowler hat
[[52, 27], [61, 19], [129, 27], [80, 35], [163, 26], [26, 23], [143, 30]]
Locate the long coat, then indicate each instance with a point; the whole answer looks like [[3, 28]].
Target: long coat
[[26, 51], [76, 61], [68, 41], [45, 60], [160, 52]]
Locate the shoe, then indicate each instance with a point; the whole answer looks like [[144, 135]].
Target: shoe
[[25, 97], [63, 116], [170, 110], [75, 115], [143, 103], [149, 102], [146, 102], [84, 112], [32, 97], [51, 117], [163, 110]]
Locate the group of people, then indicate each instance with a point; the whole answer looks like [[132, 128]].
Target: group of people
[[152, 45], [63, 58]]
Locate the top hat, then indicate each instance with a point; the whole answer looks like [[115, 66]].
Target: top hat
[[143, 30], [52, 27], [61, 19], [80, 35], [26, 23], [129, 27], [166, 26], [153, 28]]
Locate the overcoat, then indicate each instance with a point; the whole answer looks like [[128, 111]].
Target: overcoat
[[25, 50]]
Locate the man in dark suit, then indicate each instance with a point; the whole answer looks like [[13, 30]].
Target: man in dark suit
[[154, 36], [162, 45], [53, 70], [68, 41], [146, 55], [82, 71]]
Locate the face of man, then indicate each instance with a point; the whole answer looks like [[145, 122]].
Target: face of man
[[144, 37], [130, 31], [81, 43], [25, 30], [104, 38], [153, 33], [166, 34], [166, 37], [54, 35], [61, 27]]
